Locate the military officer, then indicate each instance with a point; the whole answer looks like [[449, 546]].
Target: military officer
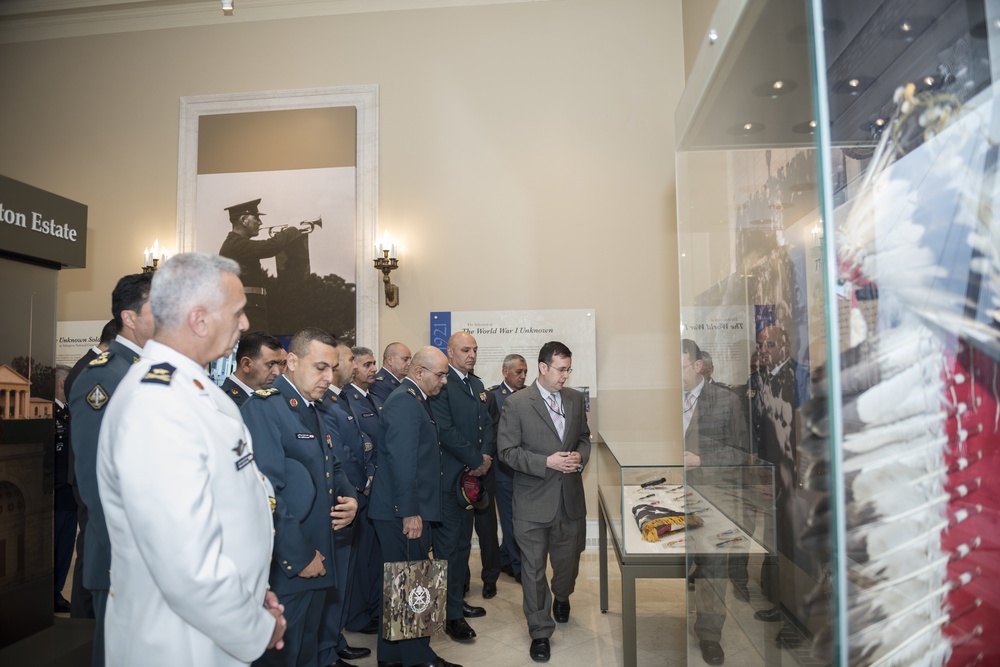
[[64, 520], [296, 452], [240, 246], [188, 512], [406, 492], [352, 448], [366, 594], [90, 396], [259, 358], [466, 437], [395, 366], [515, 372]]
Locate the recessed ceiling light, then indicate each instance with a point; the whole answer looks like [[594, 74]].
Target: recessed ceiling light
[[809, 127], [775, 88], [746, 129], [853, 85], [907, 29]]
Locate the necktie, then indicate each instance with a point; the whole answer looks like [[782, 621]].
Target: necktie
[[558, 419], [372, 401], [312, 420], [468, 387], [689, 401]]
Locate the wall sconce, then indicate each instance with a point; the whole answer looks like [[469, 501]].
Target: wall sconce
[[151, 259], [386, 261]]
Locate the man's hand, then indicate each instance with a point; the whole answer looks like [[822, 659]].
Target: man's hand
[[564, 461], [691, 460], [315, 568], [343, 512], [484, 468], [280, 624], [413, 527]]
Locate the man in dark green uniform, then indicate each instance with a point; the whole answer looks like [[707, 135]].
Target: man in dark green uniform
[[88, 399]]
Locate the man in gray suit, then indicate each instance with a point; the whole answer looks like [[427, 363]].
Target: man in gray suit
[[545, 439]]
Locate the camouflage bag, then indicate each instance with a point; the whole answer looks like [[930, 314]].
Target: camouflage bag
[[414, 597]]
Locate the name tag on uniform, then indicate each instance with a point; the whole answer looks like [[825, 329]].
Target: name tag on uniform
[[367, 414], [305, 436], [244, 462]]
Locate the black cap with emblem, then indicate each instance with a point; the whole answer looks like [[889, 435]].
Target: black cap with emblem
[[471, 492], [246, 208]]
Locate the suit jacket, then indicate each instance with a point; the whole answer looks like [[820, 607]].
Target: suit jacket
[[91, 395], [298, 457], [408, 474], [718, 430], [385, 383], [527, 438], [464, 428], [234, 391], [190, 521]]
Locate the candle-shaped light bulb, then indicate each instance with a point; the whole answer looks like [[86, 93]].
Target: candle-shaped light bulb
[[145, 258]]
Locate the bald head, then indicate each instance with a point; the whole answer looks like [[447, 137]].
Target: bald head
[[396, 359], [429, 370], [462, 351]]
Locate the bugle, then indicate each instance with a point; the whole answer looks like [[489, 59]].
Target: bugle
[[306, 226]]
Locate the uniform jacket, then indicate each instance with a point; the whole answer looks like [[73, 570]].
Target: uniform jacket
[[368, 418], [189, 517], [495, 396], [300, 461], [88, 404], [248, 253], [465, 430], [234, 391], [527, 437], [349, 443], [385, 383], [408, 474], [64, 501]]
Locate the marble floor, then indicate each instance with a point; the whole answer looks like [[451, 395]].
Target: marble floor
[[590, 637]]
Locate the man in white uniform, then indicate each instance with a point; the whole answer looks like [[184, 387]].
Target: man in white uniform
[[188, 512]]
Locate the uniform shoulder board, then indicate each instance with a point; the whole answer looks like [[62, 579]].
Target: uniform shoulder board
[[493, 388], [159, 374], [379, 378], [411, 390], [264, 393], [101, 359]]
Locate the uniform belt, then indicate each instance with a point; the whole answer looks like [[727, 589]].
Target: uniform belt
[[255, 290]]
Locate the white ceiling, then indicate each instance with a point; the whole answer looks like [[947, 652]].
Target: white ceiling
[[29, 20]]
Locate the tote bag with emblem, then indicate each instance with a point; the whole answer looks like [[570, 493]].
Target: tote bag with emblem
[[414, 598]]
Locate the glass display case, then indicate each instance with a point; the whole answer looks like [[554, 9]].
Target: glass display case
[[839, 266], [656, 515]]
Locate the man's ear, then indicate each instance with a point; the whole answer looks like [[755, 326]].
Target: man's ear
[[246, 363], [128, 319], [291, 361], [197, 320]]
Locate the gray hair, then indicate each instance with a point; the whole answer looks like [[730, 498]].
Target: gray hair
[[187, 281], [362, 351], [510, 359]]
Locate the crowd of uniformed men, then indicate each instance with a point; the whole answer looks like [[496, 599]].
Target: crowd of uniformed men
[[251, 523]]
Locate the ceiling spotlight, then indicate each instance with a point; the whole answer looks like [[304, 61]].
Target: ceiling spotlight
[[805, 128], [853, 85], [908, 29], [774, 89], [879, 122], [746, 129]]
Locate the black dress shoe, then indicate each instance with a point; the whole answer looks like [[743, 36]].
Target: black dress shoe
[[772, 615], [459, 630], [712, 653], [560, 610], [740, 591], [371, 628], [341, 663], [354, 652], [472, 612], [539, 650], [508, 570], [62, 605], [489, 590]]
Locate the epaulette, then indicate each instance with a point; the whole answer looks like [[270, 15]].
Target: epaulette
[[159, 374], [411, 390], [102, 358], [264, 393], [493, 388], [379, 378]]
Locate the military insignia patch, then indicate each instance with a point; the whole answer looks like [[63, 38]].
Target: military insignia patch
[[97, 397], [333, 398], [503, 391], [329, 441], [293, 402], [245, 461], [159, 374], [101, 359], [199, 385], [482, 396], [240, 446], [264, 393], [235, 392], [368, 446], [410, 389]]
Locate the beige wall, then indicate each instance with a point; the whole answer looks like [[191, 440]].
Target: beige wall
[[697, 20], [526, 159]]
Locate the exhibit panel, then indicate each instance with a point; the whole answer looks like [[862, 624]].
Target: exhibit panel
[[839, 262]]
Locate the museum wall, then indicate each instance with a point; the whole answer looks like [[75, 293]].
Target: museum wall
[[526, 160]]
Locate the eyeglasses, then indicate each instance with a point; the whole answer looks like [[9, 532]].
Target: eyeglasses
[[440, 376], [560, 371]]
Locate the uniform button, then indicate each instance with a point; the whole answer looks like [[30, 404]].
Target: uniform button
[[273, 532], [289, 567], [328, 458], [328, 475]]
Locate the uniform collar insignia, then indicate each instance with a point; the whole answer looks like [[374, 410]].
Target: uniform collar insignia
[[293, 402], [235, 392], [199, 385], [240, 447]]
